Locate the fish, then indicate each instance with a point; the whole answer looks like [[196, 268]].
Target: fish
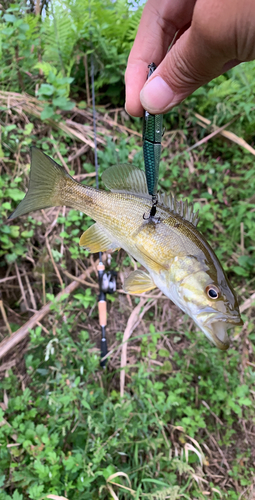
[[175, 255]]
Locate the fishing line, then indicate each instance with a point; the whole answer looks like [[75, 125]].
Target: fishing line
[[92, 72], [107, 280]]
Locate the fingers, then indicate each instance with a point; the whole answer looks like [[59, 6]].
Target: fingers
[[218, 39], [188, 65], [160, 21], [215, 36]]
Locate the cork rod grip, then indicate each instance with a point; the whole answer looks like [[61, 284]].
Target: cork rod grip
[[102, 312]]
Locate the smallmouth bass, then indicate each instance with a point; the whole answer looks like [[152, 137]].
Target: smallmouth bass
[[177, 257]]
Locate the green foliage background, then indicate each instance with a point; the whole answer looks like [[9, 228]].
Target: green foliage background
[[64, 429]]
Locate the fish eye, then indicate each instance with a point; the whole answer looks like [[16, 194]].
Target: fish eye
[[213, 292]]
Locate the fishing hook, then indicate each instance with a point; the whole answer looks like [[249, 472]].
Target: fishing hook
[[153, 210]]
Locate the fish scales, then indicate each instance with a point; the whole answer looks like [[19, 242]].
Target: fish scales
[[122, 215]]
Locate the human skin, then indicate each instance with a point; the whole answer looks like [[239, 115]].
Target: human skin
[[212, 37]]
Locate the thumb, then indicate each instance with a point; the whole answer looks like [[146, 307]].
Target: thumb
[[193, 61]]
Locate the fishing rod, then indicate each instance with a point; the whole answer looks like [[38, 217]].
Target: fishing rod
[[107, 280], [152, 135]]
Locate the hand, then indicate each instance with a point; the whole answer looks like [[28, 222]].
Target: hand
[[213, 36]]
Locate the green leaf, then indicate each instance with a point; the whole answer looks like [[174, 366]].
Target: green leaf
[[14, 231], [240, 270], [63, 103], [48, 112], [164, 353], [46, 90], [9, 18], [28, 128], [46, 68], [10, 258], [155, 481], [17, 496], [15, 194], [245, 402], [27, 234]]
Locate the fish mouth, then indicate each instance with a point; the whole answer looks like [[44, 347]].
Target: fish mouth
[[217, 331], [220, 334]]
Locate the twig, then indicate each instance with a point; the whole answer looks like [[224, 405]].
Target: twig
[[9, 343], [56, 497], [79, 177], [8, 278], [21, 286], [111, 123], [78, 153], [80, 131], [79, 280], [218, 448], [44, 289], [132, 322], [53, 224], [53, 262], [5, 317], [32, 297], [247, 303], [212, 413], [43, 327], [205, 139], [37, 8], [59, 154], [210, 136], [229, 135], [7, 366]]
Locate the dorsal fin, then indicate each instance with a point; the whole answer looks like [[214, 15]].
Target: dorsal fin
[[182, 208], [126, 179]]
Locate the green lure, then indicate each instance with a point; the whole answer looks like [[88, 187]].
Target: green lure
[[152, 134]]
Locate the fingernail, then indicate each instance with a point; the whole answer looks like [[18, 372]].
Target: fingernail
[[156, 96]]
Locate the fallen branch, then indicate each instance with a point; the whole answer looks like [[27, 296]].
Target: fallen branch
[[10, 342]]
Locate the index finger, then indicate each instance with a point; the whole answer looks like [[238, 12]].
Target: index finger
[[160, 21]]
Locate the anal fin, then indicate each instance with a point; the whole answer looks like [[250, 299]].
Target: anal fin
[[96, 240], [138, 282]]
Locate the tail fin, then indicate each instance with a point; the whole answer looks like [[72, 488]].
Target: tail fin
[[45, 182]]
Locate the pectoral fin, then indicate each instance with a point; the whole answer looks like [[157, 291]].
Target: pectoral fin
[[138, 282], [149, 261], [96, 240]]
